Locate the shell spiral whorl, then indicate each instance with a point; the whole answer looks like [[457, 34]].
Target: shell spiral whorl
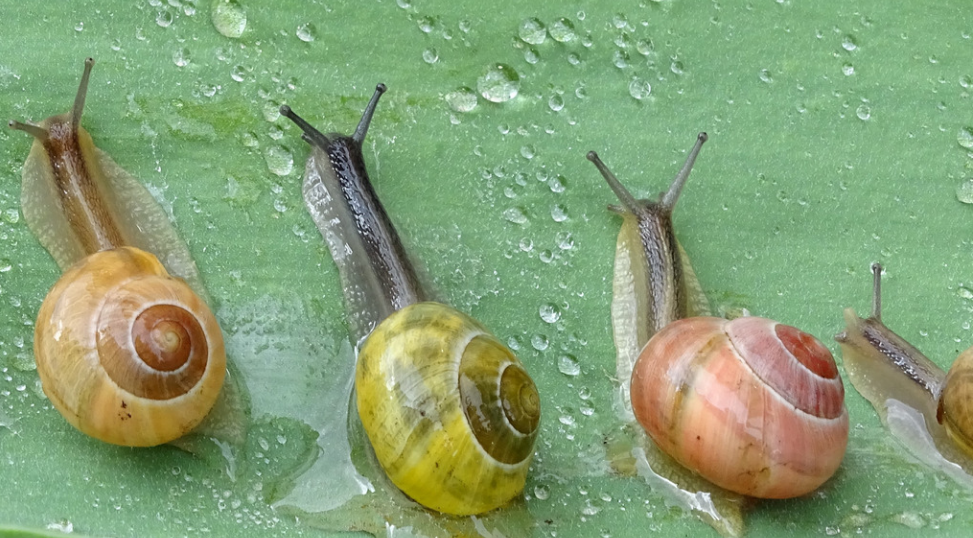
[[127, 353], [449, 410], [754, 406]]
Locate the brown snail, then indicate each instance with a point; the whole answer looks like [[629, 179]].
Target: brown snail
[[450, 412], [126, 353]]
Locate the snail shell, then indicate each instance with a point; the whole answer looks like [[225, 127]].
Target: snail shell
[[450, 411], [754, 406], [127, 353]]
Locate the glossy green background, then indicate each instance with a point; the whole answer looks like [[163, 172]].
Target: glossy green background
[[837, 138]]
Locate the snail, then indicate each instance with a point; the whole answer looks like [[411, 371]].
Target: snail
[[752, 405], [451, 414], [927, 409], [126, 353]]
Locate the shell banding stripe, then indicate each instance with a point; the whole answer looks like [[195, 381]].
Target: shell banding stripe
[[794, 364], [124, 345]]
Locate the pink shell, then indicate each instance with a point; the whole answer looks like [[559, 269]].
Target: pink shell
[[754, 406]]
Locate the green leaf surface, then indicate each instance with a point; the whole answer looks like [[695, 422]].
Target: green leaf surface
[[840, 134]]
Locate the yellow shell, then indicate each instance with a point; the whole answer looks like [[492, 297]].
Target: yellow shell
[[127, 353], [449, 410]]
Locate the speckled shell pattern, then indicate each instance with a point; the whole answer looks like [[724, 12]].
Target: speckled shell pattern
[[730, 401], [93, 375], [408, 397]]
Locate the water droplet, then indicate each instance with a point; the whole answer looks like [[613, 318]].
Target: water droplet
[[11, 215], [848, 69], [163, 19], [965, 137], [556, 103], [574, 59], [765, 76], [499, 83], [677, 68], [229, 18], [181, 57], [307, 32], [531, 56], [559, 213], [964, 191], [528, 152], [639, 88], [426, 24], [541, 492], [645, 47], [404, 4], [848, 43], [966, 81], [620, 59], [863, 112], [964, 292], [279, 160], [461, 99], [562, 31], [532, 31], [515, 215], [550, 312], [430, 56], [568, 365], [539, 342], [557, 184], [79, 27], [238, 73]]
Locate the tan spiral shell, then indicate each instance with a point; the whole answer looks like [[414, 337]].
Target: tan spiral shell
[[127, 353]]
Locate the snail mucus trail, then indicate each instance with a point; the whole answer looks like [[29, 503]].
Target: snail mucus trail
[[929, 410], [126, 353], [451, 414]]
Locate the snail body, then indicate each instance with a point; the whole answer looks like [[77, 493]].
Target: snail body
[[928, 409], [107, 234], [449, 411], [755, 406]]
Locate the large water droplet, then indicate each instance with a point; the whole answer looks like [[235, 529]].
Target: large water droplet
[[279, 160], [532, 31], [499, 83], [864, 112], [430, 55], [461, 99], [965, 137], [307, 32], [229, 17], [562, 31], [964, 191]]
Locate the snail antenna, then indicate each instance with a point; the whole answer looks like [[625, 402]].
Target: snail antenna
[[366, 118], [311, 135], [877, 291], [78, 107], [624, 196], [37, 132], [669, 198]]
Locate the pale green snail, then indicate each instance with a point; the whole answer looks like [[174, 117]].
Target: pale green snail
[[449, 410]]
